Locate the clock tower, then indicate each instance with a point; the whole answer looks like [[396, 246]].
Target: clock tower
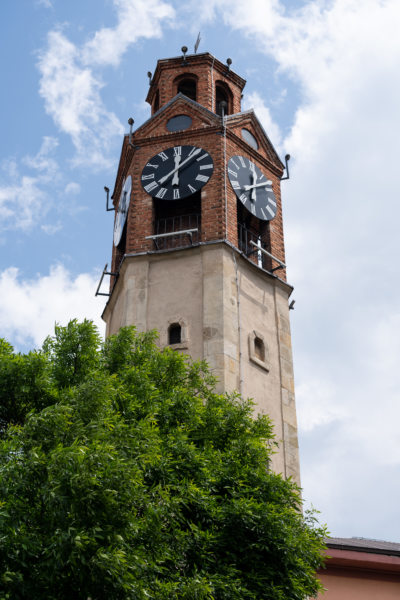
[[198, 250]]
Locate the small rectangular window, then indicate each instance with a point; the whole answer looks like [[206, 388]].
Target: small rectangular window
[[174, 334]]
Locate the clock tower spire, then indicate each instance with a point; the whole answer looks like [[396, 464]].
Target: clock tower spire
[[198, 247]]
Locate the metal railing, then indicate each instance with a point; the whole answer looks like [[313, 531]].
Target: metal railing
[[256, 249], [176, 232]]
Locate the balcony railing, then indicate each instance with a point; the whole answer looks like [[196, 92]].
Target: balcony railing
[[185, 230], [256, 249], [176, 232]]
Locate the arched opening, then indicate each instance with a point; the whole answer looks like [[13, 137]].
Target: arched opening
[[188, 87], [222, 94], [174, 334]]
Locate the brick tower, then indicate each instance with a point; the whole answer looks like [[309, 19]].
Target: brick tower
[[198, 249]]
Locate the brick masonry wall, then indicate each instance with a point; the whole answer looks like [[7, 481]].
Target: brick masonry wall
[[206, 70], [208, 133]]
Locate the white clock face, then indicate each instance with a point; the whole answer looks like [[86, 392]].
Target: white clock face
[[122, 211]]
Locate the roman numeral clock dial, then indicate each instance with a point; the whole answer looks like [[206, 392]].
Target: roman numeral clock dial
[[177, 172], [122, 210], [252, 187]]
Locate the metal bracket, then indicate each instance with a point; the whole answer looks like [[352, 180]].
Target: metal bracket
[[105, 272], [287, 158], [189, 232], [107, 191]]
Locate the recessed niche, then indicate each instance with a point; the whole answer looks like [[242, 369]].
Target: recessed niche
[[175, 334], [258, 350]]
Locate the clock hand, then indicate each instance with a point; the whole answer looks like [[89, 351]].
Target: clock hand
[[256, 185], [192, 155], [175, 179]]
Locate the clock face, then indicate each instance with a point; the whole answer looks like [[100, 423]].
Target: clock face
[[177, 172], [122, 211], [252, 187]]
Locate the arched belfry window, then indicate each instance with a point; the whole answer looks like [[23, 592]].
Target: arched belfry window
[[222, 94], [188, 87]]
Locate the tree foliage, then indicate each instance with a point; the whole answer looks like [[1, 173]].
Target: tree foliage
[[124, 475]]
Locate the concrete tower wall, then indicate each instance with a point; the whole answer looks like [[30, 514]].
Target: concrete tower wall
[[224, 303]]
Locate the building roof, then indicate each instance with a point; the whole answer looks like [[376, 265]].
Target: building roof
[[359, 544]]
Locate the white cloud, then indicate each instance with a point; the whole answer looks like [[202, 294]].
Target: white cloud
[[72, 98], [30, 308], [10, 168], [71, 89], [341, 213], [315, 399], [136, 19], [72, 188], [51, 229], [255, 101], [24, 199], [43, 161], [21, 203]]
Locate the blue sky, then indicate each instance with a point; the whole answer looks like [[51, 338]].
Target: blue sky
[[322, 77]]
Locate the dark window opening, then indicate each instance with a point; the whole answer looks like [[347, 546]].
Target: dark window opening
[[177, 216], [188, 87], [174, 334], [120, 250], [251, 229], [221, 96], [259, 349]]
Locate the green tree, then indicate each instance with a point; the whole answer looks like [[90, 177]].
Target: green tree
[[124, 475]]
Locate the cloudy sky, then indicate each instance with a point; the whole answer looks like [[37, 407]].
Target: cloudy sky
[[323, 77]]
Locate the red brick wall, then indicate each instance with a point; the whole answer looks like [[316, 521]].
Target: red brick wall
[[206, 70], [206, 132]]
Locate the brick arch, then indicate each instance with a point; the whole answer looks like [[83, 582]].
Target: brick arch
[[223, 92], [191, 81]]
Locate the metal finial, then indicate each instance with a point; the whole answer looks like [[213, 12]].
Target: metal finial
[[229, 62], [184, 50], [149, 75], [130, 122]]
